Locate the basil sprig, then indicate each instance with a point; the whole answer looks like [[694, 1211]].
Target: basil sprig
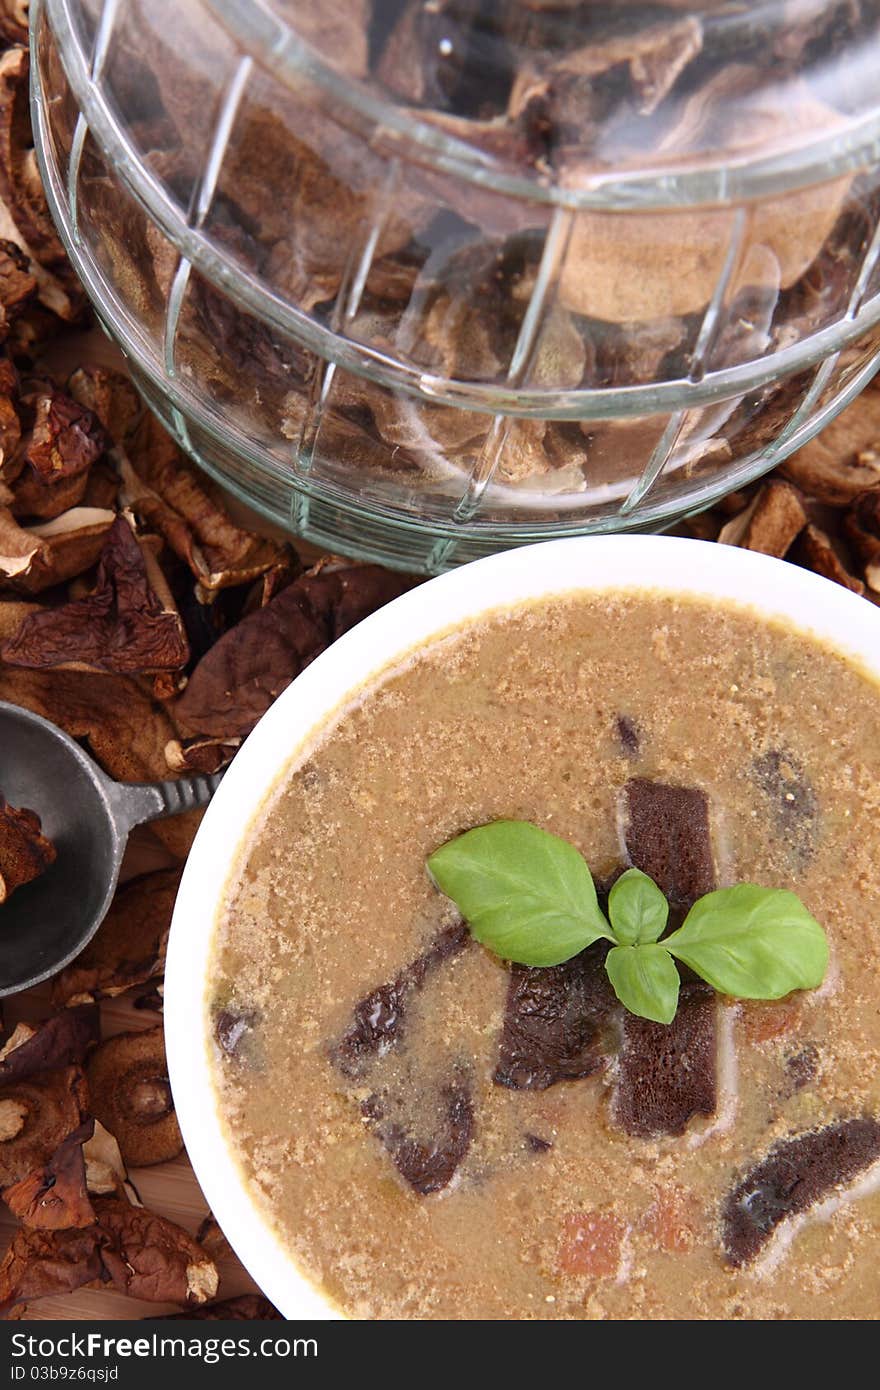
[[529, 896]]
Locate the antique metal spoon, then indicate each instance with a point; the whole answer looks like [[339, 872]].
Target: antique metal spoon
[[88, 817]]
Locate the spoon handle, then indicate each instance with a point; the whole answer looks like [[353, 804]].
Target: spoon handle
[[136, 802]]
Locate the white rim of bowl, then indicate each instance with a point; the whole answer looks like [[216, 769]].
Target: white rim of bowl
[[675, 567]]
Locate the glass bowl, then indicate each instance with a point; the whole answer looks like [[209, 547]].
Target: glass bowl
[[423, 279]]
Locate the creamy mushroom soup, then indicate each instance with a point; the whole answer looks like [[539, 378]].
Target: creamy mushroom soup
[[434, 1133]]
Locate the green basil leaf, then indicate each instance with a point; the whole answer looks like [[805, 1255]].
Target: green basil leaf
[[752, 942], [638, 910], [645, 980], [526, 894]]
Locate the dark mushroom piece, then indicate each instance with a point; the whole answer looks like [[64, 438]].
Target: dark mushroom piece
[[552, 1022], [63, 1040], [379, 1016], [138, 1253], [262, 654], [796, 1174], [212, 1239], [56, 1197], [234, 1031], [667, 1073], [427, 1163], [128, 625]]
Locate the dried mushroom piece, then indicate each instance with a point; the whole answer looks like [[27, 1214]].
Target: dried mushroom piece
[[125, 729], [128, 948], [66, 437], [427, 55], [124, 626], [166, 493], [34, 558], [37, 499], [40, 1264], [201, 755], [427, 435], [668, 837], [140, 1254], [632, 353], [14, 20], [346, 441], [771, 522], [325, 183], [24, 214], [235, 683], [796, 1174], [791, 800], [10, 428], [815, 550], [111, 398], [13, 1116], [235, 354], [106, 1173], [234, 1029], [17, 285], [152, 998], [250, 1307], [801, 1069], [151, 1258], [212, 1239], [502, 143], [844, 459], [55, 1197], [569, 92], [467, 308], [20, 550], [131, 1095], [25, 852], [271, 582], [63, 1040], [39, 1112], [667, 1072], [620, 267], [552, 456], [862, 529], [629, 735], [20, 185]]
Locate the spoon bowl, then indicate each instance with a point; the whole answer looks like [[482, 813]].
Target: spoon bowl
[[87, 816]]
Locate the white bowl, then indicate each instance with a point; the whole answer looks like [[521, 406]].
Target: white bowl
[[660, 564]]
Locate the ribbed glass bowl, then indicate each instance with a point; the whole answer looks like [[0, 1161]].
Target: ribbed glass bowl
[[423, 280]]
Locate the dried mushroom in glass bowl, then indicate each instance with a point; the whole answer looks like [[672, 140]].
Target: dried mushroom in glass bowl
[[440, 279]]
